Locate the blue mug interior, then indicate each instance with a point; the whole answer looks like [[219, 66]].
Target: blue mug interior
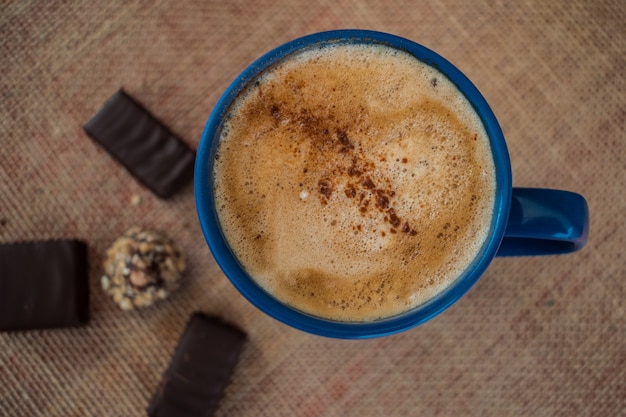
[[231, 267]]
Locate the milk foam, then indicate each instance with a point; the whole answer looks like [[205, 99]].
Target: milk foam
[[354, 182]]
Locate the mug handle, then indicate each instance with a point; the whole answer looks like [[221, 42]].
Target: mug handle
[[545, 222]]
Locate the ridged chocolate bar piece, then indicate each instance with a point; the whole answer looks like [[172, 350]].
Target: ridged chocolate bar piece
[[200, 369], [43, 285], [142, 144]]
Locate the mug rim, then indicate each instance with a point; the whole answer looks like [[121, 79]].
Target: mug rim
[[234, 271]]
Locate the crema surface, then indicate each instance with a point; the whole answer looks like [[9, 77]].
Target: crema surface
[[354, 182]]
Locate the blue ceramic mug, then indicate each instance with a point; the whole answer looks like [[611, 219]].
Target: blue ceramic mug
[[525, 221]]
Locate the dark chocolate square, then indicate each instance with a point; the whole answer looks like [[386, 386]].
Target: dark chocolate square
[[200, 369], [142, 144], [43, 285]]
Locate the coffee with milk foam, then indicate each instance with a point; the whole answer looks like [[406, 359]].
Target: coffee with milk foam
[[354, 182]]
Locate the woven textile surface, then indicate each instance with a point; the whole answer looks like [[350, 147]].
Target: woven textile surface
[[543, 336]]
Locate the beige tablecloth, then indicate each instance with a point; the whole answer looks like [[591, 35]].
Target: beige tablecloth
[[536, 336]]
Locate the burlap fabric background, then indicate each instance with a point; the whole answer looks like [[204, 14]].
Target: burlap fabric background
[[536, 336]]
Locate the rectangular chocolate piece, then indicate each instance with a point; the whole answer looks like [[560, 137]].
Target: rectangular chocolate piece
[[145, 147], [43, 285], [200, 369]]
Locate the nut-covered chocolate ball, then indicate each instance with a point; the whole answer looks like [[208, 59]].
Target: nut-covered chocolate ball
[[141, 267]]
